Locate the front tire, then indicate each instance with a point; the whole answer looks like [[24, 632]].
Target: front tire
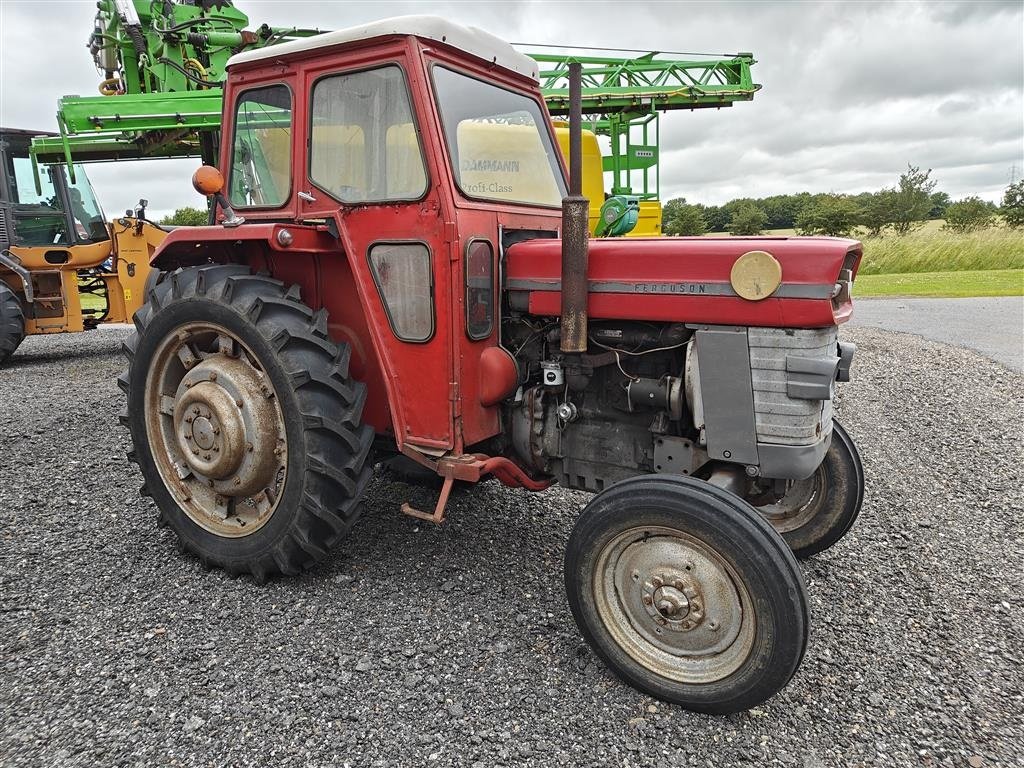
[[244, 420], [817, 512], [12, 322], [686, 593]]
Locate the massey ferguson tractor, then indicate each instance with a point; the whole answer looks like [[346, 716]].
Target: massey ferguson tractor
[[401, 268]]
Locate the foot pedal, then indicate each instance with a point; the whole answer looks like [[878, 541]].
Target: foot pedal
[[442, 502]]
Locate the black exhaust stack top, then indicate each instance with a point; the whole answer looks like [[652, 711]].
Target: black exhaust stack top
[[575, 227]]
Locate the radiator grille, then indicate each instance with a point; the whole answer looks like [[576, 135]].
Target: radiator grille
[[779, 418]]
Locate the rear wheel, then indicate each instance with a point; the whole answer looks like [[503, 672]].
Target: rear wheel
[[686, 593], [817, 512], [244, 420], [12, 322]]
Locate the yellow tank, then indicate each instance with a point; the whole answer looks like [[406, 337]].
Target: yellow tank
[[593, 168], [649, 222]]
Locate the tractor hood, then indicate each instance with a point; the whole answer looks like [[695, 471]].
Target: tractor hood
[[692, 279]]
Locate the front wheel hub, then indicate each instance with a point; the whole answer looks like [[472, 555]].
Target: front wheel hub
[[673, 603]]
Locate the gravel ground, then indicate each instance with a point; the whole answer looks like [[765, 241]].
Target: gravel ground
[[418, 646]]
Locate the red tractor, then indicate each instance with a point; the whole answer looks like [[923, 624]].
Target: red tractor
[[400, 269]]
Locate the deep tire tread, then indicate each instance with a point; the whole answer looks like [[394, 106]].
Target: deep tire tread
[[335, 446], [12, 322]]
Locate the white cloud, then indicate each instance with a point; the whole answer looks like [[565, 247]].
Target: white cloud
[[852, 91]]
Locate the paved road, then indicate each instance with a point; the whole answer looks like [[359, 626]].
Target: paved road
[[992, 326]]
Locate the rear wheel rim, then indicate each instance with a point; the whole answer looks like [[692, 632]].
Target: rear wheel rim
[[674, 604], [215, 429]]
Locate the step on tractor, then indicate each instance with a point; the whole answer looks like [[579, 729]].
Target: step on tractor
[[401, 267], [63, 268]]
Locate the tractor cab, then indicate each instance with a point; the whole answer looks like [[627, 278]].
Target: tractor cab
[[56, 214], [392, 164], [61, 267]]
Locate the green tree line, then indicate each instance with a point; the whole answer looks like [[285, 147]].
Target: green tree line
[[898, 209]]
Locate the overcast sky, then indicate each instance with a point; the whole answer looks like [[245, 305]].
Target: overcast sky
[[852, 91]]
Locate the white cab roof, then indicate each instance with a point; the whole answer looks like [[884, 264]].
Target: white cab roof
[[476, 42]]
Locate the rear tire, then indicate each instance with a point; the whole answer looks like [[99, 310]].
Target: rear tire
[[817, 512], [12, 322], [686, 593], [244, 420]]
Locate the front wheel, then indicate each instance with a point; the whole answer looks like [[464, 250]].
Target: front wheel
[[686, 593], [817, 512]]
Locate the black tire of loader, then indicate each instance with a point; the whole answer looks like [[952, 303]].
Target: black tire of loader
[[754, 549], [12, 322], [841, 476], [322, 406]]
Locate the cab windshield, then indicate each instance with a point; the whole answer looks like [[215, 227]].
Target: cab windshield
[[41, 218], [499, 141]]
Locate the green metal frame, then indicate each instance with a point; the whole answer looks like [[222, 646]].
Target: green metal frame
[[169, 94], [624, 98]]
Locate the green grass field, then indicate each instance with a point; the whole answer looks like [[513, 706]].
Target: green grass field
[[989, 282], [932, 249]]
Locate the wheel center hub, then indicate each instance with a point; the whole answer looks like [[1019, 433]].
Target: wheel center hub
[[671, 603], [674, 600], [227, 426], [202, 433]]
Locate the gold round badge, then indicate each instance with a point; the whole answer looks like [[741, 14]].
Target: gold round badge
[[756, 275]]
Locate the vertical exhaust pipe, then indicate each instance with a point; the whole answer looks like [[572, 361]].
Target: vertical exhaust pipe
[[575, 227]]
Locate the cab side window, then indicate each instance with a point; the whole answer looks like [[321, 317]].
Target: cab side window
[[261, 152], [364, 147]]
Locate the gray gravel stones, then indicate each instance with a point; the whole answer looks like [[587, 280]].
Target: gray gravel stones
[[453, 646]]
